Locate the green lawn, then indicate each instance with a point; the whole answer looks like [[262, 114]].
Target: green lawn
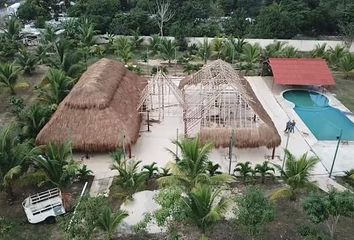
[[345, 91]]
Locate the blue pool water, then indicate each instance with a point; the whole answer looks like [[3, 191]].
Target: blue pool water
[[324, 121]]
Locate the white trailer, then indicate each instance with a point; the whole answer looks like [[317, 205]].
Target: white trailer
[[44, 205]]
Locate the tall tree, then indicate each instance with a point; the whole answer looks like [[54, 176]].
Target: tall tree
[[163, 13]]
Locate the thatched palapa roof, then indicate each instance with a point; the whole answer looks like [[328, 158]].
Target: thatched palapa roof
[[227, 104], [99, 114]]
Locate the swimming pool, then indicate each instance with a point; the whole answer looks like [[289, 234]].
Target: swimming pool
[[324, 121]]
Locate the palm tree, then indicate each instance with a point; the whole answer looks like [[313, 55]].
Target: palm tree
[[12, 28], [290, 52], [14, 157], [130, 179], [191, 168], [319, 51], [204, 207], [275, 49], [57, 87], [58, 164], [9, 76], [228, 51], [264, 170], [297, 171], [346, 64], [164, 172], [213, 168], [218, 44], [86, 33], [123, 48], [335, 54], [26, 61], [204, 50], [109, 221], [168, 50], [151, 170], [67, 59], [154, 43], [238, 45], [33, 119], [251, 54], [244, 169]]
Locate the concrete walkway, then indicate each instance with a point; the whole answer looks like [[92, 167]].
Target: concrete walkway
[[302, 140]]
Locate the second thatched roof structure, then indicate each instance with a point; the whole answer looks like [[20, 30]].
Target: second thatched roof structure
[[99, 114], [218, 102]]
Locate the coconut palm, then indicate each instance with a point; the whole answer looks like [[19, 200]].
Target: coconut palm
[[335, 54], [57, 164], [151, 170], [168, 49], [130, 178], [26, 61], [66, 59], [239, 43], [319, 51], [9, 76], [244, 169], [165, 172], [57, 87], [297, 171], [12, 28], [218, 44], [251, 55], [264, 170], [14, 157], [204, 207], [204, 50], [275, 49], [346, 64], [228, 52], [86, 32], [154, 44], [123, 48], [213, 168], [290, 52], [33, 119], [191, 168], [109, 221]]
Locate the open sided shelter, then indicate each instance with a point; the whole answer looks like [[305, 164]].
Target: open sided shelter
[[218, 101], [301, 71], [100, 113]]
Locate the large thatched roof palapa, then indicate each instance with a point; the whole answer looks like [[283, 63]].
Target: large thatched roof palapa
[[220, 101], [99, 114]]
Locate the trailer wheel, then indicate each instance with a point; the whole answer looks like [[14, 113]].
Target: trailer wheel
[[50, 220]]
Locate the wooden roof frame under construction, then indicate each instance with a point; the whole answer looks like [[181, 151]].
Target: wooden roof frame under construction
[[218, 101]]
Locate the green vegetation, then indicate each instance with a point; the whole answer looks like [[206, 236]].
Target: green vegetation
[[254, 211], [330, 208], [297, 172]]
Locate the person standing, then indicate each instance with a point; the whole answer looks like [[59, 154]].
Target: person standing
[[288, 126], [292, 126]]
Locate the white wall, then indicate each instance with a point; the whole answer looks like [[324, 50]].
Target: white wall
[[301, 45]]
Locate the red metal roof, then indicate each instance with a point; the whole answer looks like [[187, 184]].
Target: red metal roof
[[301, 71]]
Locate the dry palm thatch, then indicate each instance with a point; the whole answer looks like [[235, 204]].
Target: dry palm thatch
[[219, 100], [100, 112]]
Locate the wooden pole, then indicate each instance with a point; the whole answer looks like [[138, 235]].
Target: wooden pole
[[273, 152]]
